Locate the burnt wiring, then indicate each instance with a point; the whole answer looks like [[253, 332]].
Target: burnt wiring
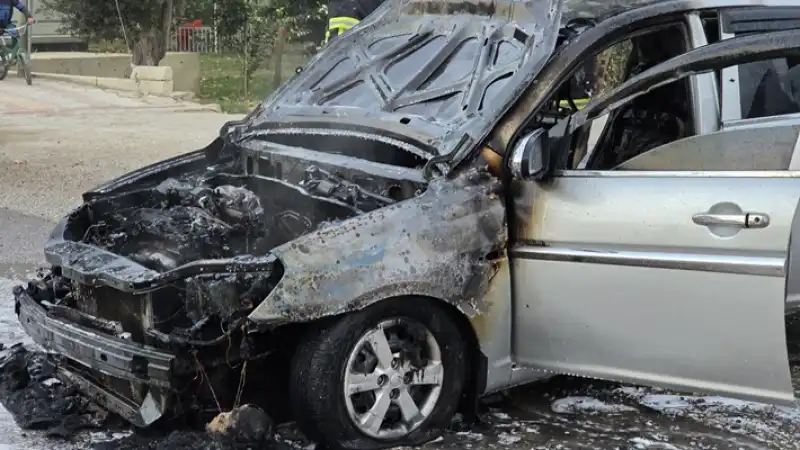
[[207, 380], [184, 341], [242, 380], [178, 311], [228, 349]]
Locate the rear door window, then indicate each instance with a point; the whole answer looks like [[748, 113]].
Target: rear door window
[[763, 88]]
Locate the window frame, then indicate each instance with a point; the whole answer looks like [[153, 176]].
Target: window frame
[[610, 27], [706, 103], [730, 89], [679, 21], [585, 116]]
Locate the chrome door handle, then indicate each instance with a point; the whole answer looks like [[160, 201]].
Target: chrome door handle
[[707, 219], [744, 220]]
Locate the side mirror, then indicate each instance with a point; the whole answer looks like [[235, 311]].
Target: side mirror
[[530, 160]]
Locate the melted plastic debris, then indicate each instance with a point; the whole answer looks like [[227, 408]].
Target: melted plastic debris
[[37, 403]]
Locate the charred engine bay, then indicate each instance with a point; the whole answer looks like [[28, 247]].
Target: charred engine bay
[[269, 194], [182, 221], [222, 216], [238, 209]]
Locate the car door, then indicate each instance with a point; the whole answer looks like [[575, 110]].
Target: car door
[[667, 269]]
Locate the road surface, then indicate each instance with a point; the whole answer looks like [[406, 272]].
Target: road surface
[[56, 140]]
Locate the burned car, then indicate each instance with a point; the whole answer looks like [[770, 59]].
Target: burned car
[[425, 215]]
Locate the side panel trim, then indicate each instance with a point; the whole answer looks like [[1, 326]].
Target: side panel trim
[[749, 265]]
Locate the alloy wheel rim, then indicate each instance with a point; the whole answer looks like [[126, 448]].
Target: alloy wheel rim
[[393, 378]]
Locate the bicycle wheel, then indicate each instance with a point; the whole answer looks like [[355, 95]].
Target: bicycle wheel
[[3, 65], [22, 60]]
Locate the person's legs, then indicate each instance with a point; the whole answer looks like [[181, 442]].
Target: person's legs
[[10, 30]]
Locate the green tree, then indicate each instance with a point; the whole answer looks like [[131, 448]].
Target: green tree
[[245, 31], [145, 24], [299, 19], [200, 9]]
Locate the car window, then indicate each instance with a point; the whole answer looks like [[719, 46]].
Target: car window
[[595, 76], [659, 117], [769, 88], [646, 128], [763, 88], [743, 149]]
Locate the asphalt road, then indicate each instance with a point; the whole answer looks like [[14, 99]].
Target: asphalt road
[[57, 140]]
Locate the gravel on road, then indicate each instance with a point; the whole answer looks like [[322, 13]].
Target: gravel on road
[[72, 138]]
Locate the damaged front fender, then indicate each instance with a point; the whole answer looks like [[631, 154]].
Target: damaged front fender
[[444, 244]]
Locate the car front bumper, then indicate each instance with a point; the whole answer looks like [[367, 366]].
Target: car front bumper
[[83, 352]]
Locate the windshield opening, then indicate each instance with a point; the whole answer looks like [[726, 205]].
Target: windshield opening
[[354, 146]]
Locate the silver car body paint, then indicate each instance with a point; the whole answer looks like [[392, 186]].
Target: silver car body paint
[[620, 275], [629, 288]]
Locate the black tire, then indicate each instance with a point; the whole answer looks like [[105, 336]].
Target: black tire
[[317, 374], [3, 66], [22, 60]]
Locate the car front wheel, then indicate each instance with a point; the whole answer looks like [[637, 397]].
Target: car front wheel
[[391, 374]]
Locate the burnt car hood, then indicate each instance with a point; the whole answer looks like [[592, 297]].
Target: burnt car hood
[[438, 71]]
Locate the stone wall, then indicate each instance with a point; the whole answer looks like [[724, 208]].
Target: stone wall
[[184, 69]]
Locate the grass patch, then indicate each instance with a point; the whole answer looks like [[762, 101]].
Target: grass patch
[[108, 46], [221, 81]]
